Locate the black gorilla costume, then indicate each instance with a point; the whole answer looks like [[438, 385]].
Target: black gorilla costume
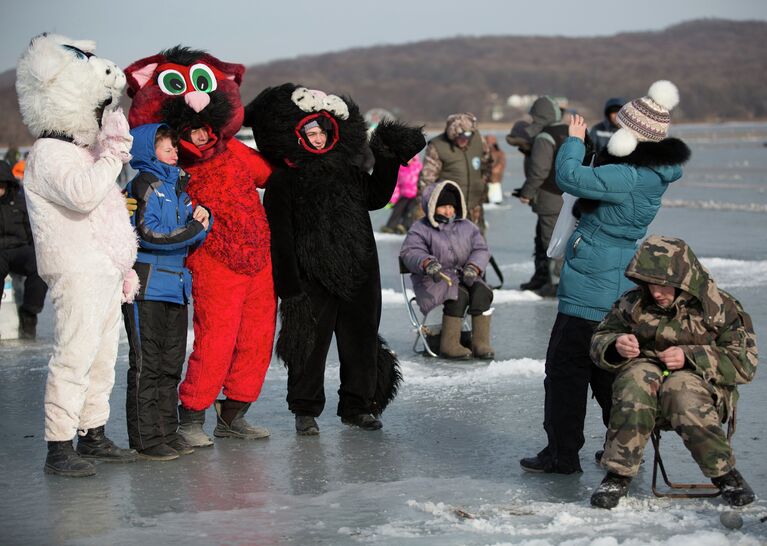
[[323, 251]]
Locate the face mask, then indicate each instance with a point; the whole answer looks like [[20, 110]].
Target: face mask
[[444, 219]]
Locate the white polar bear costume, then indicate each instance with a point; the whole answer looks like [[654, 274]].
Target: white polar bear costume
[[84, 241]]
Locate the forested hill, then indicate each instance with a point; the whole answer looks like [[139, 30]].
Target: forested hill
[[719, 66]]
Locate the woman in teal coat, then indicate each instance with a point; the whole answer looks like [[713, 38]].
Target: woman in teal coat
[[618, 199]]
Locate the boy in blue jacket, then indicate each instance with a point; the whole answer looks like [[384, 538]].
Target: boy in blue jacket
[[168, 227]]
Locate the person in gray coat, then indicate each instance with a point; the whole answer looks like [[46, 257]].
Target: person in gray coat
[[447, 254], [540, 190]]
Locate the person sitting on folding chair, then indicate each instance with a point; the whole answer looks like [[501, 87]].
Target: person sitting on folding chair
[[680, 346], [446, 255]]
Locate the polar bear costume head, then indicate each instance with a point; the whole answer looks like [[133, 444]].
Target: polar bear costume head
[[64, 88]]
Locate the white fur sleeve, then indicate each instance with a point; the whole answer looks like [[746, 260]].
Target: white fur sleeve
[[65, 175]]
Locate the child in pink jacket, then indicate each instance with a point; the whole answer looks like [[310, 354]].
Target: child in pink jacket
[[404, 198]]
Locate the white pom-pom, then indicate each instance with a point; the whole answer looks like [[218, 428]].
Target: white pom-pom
[[664, 93], [622, 143]]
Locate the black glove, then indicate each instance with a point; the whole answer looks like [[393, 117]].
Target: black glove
[[433, 269], [396, 140], [470, 274]]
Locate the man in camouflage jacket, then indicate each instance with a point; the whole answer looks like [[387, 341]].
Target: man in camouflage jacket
[[679, 346]]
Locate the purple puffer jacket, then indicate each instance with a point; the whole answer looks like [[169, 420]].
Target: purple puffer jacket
[[454, 245]]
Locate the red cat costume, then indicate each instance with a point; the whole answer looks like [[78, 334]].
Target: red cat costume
[[234, 301]]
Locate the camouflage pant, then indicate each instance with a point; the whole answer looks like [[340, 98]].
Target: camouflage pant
[[642, 398]]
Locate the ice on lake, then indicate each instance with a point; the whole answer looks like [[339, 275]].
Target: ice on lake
[[444, 470]]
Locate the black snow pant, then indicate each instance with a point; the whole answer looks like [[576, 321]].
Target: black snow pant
[[546, 269], [477, 299], [569, 372], [402, 213], [21, 261], [157, 333], [355, 324]]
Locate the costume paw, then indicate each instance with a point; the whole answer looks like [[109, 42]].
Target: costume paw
[[396, 140], [130, 286], [115, 138]]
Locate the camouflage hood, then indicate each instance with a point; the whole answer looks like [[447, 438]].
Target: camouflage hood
[[667, 261], [460, 123]]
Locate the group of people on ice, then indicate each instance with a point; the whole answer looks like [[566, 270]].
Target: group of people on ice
[[672, 347]]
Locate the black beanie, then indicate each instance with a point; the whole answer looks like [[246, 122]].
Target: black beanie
[[447, 197]]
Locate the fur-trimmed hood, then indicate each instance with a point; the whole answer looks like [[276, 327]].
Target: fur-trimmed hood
[[667, 152], [431, 195], [64, 89]]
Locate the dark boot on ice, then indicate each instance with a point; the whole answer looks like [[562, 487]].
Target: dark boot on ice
[[610, 491], [63, 460], [306, 425], [95, 445], [450, 339], [231, 421], [159, 452], [27, 324], [533, 284], [181, 446], [365, 421], [734, 489], [544, 463], [190, 427], [480, 337]]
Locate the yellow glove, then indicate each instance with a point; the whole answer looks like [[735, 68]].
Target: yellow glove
[[131, 204]]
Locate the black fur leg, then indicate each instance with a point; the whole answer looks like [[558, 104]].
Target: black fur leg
[[389, 377]]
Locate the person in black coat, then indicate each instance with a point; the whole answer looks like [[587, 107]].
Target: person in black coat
[[323, 250], [17, 251]]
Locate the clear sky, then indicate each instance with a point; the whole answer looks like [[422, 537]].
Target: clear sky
[[253, 31]]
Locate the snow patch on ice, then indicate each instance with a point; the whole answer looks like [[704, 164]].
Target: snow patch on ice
[[730, 273], [389, 296], [444, 374], [388, 236], [508, 296]]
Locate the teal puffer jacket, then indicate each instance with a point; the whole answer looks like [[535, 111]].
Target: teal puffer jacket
[[605, 240]]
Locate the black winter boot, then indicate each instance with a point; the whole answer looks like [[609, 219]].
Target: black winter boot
[[610, 491], [231, 421], [306, 425], [365, 421], [734, 489], [62, 460], [95, 445]]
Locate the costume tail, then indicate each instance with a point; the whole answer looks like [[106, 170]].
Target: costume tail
[[389, 377], [297, 331]]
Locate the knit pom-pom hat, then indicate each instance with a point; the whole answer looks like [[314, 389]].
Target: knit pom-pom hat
[[645, 119]]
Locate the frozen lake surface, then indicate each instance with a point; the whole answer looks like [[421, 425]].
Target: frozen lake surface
[[444, 470]]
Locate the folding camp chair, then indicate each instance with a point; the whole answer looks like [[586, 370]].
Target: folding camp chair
[[426, 335], [686, 490]]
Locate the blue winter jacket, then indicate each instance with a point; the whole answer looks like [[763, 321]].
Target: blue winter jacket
[[605, 240], [163, 221]]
